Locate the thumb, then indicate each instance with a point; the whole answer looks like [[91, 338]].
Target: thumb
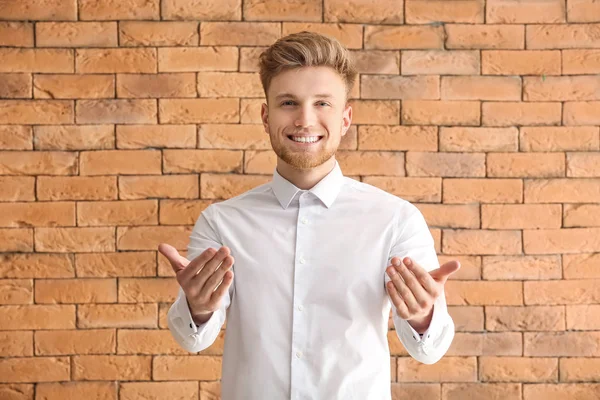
[[178, 262], [442, 273]]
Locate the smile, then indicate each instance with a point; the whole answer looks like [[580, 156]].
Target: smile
[[305, 139]]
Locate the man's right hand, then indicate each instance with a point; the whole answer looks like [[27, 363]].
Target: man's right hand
[[199, 278]]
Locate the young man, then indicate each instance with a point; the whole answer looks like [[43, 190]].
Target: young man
[[314, 282]]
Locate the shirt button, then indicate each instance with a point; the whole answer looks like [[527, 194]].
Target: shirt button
[[300, 307], [304, 220], [299, 354], [302, 261]]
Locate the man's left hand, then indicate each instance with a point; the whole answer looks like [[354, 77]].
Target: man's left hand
[[413, 290]]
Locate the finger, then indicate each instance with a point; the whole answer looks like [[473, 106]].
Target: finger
[[428, 283], [404, 290], [217, 276], [215, 298], [196, 264], [422, 298], [177, 262], [401, 308], [442, 273], [202, 275]]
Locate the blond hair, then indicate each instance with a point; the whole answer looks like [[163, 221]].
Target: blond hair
[[307, 49]]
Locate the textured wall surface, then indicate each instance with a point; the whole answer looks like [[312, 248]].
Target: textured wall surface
[[121, 120]]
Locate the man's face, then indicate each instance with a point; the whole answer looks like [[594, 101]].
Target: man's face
[[308, 102]]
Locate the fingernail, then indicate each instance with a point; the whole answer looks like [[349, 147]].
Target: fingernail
[[391, 271], [397, 263], [408, 261]]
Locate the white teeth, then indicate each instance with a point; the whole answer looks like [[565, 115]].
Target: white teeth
[[310, 139]]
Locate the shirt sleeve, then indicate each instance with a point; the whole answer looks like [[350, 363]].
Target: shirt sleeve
[[414, 240], [187, 333]]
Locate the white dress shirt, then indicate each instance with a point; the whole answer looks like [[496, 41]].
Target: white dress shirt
[[307, 312]]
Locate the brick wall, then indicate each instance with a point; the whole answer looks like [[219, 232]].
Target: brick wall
[[121, 120]]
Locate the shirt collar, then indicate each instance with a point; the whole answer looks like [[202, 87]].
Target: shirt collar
[[326, 189]]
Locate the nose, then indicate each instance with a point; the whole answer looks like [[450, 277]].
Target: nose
[[306, 117]]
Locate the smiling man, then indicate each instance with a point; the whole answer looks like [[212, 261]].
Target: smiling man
[[319, 259]]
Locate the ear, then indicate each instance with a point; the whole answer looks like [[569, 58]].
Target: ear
[[264, 116], [346, 119]]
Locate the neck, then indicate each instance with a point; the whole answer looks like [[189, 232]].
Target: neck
[[305, 179]]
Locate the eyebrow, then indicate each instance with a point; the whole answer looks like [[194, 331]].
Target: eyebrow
[[325, 95]]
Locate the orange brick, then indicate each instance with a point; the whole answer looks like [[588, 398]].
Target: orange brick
[[75, 390], [138, 33], [561, 88], [526, 165], [551, 241], [467, 139], [260, 162], [16, 291], [156, 86], [167, 186], [76, 291], [148, 342], [190, 59], [117, 316], [230, 136], [399, 138], [186, 161], [94, 61], [404, 37], [28, 317], [77, 188], [442, 62], [40, 10], [429, 112], [561, 36], [371, 163], [494, 88], [484, 293], [249, 57], [583, 11], [149, 390], [118, 9], [116, 264], [516, 369], [66, 342], [121, 162], [581, 113], [482, 190], [581, 215], [521, 113], [530, 318], [436, 11], [224, 186], [15, 344], [239, 33], [579, 369], [37, 163], [520, 62], [376, 62], [110, 368], [448, 369], [559, 138], [36, 266], [34, 369], [386, 12], [568, 190], [116, 111], [16, 137], [525, 11], [73, 86], [567, 344], [17, 34], [36, 60], [148, 238], [181, 212], [147, 290], [273, 10], [76, 34], [142, 212], [74, 137], [206, 10], [450, 216], [482, 242], [470, 36], [351, 35], [400, 87], [581, 61], [20, 215], [412, 189], [488, 391], [445, 164], [198, 111], [15, 86], [583, 317], [234, 84], [17, 188], [583, 165], [413, 390], [65, 240], [144, 136], [36, 112], [250, 110], [15, 239], [521, 216], [186, 367], [384, 112]]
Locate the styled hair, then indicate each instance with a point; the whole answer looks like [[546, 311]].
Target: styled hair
[[307, 49]]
